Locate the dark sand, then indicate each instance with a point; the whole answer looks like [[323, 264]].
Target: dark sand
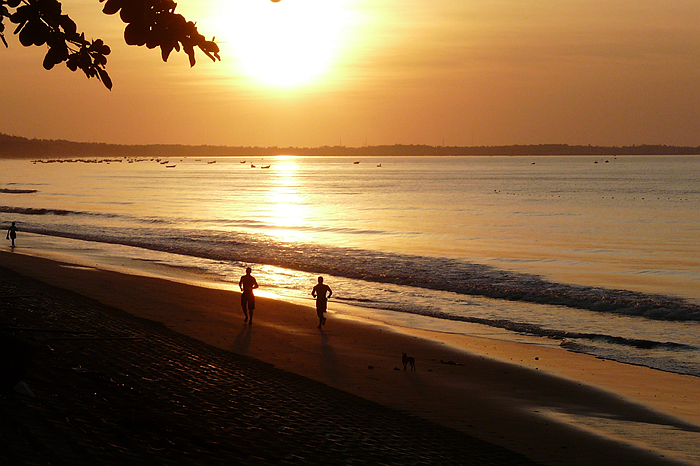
[[115, 389], [178, 379]]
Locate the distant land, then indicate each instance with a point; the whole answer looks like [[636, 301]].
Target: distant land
[[19, 147]]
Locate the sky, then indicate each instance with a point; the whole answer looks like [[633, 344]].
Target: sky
[[309, 73]]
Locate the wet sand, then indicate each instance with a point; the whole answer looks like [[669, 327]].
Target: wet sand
[[526, 399]]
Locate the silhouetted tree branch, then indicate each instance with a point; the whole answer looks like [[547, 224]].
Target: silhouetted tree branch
[[152, 23]]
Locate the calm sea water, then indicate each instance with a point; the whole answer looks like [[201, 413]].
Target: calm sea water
[[602, 254]]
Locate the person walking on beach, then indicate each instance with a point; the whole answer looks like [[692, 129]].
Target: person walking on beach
[[12, 233], [248, 283], [319, 292]]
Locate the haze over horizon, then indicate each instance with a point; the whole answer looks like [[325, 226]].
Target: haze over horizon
[[312, 73]]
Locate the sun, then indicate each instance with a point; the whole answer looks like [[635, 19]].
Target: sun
[[284, 43]]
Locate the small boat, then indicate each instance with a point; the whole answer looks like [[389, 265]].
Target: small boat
[[170, 166], [213, 161], [356, 163], [243, 161], [379, 165], [266, 166], [252, 166]]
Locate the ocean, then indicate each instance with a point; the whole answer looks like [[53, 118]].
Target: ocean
[[601, 255]]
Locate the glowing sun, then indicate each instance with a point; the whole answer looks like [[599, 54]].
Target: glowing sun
[[285, 43]]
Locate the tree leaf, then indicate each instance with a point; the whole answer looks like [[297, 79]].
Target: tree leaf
[[112, 6], [165, 51], [26, 35], [55, 55], [72, 62], [23, 14], [135, 34], [104, 77], [189, 50]]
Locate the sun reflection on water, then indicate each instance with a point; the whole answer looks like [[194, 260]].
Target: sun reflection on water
[[288, 211]]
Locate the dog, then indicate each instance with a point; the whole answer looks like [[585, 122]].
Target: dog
[[408, 360]]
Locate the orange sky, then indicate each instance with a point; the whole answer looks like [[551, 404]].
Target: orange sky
[[601, 72]]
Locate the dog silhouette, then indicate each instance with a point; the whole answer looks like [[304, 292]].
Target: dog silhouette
[[408, 360]]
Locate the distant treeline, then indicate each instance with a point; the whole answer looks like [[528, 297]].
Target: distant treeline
[[19, 147]]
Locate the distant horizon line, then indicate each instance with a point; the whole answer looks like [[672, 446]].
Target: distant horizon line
[[11, 145]]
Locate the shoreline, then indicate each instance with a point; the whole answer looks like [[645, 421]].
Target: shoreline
[[526, 398]]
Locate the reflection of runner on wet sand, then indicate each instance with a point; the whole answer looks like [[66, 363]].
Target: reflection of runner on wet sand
[[319, 292], [247, 284]]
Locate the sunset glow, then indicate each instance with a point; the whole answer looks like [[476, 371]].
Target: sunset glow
[[310, 73]]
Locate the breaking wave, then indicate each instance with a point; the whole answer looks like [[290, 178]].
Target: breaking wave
[[432, 273]]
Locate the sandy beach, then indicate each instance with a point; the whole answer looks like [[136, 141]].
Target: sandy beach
[[547, 404]]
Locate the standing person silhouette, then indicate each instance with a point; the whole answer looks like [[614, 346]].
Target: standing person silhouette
[[248, 283], [12, 233], [319, 292]]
